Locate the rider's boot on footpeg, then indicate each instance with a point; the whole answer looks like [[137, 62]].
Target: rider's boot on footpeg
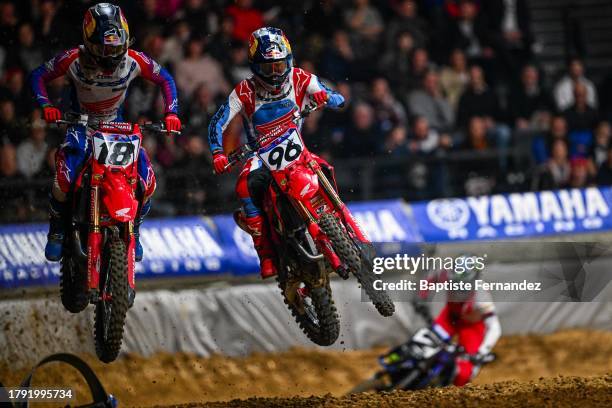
[[55, 238], [258, 229]]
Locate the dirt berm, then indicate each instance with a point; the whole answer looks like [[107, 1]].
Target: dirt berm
[[170, 379]]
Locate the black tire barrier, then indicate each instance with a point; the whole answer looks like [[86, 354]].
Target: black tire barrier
[[101, 399]]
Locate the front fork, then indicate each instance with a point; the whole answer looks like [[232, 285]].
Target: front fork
[[94, 247]]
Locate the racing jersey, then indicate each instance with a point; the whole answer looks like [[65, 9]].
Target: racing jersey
[[266, 114], [101, 94]]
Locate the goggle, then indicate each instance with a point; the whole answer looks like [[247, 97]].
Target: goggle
[[107, 50], [273, 68]]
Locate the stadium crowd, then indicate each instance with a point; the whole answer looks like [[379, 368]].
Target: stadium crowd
[[423, 78]]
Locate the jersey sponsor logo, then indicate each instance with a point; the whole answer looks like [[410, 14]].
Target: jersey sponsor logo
[[277, 126], [104, 105]]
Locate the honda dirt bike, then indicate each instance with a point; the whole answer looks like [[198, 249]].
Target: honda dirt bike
[[313, 231], [99, 247], [425, 361]]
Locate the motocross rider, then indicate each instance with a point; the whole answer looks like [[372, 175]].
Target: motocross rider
[[100, 72], [267, 101], [468, 315]]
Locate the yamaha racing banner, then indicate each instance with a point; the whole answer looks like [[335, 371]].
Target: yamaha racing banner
[[517, 215], [193, 246]]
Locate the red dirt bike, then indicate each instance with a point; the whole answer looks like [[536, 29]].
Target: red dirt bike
[[98, 256], [313, 231]]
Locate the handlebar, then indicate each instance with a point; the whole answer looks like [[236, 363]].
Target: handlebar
[[82, 120], [245, 150]]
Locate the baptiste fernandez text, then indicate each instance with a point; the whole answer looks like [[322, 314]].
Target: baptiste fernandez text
[[450, 285]]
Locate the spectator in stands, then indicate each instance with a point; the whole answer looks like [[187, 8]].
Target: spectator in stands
[[555, 173], [429, 103], [323, 18], [396, 63], [200, 15], [50, 28], [406, 19], [604, 174], [31, 153], [366, 25], [509, 24], [12, 207], [338, 57], [25, 54], [424, 139], [530, 104], [479, 100], [581, 173], [197, 68], [219, 43], [8, 24], [246, 19], [476, 136], [565, 89], [196, 191], [599, 152], [15, 90], [200, 111], [420, 65], [454, 78], [396, 142], [10, 127], [542, 145], [388, 111], [362, 137], [174, 45], [580, 115], [469, 32], [238, 67]]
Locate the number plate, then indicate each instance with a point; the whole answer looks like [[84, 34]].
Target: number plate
[[283, 151], [115, 150]]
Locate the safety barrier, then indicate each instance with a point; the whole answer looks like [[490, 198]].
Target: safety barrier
[[196, 246]]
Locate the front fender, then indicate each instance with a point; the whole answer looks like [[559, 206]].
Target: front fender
[[118, 197], [302, 183]]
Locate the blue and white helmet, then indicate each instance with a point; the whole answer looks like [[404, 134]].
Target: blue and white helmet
[[270, 56]]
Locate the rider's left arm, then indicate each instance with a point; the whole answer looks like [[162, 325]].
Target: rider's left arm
[[335, 101], [152, 71]]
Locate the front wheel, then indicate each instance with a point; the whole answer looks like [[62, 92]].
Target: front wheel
[[112, 306], [348, 253]]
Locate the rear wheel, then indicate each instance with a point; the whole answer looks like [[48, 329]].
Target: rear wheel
[[73, 282], [112, 306], [315, 313], [348, 253]]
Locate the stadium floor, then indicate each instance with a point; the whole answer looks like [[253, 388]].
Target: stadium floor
[[292, 377]]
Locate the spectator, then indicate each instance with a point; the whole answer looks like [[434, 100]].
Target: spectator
[[530, 103], [388, 111], [580, 173], [419, 66], [196, 165], [10, 127], [200, 15], [362, 137], [8, 24], [476, 138], [323, 18], [396, 63], [198, 68], [599, 153], [426, 140], [25, 54], [396, 142], [429, 103], [200, 111], [174, 46], [246, 19], [581, 116], [454, 78], [604, 174], [509, 23], [15, 90], [365, 25], [542, 145], [555, 173], [338, 57], [406, 19], [469, 33], [219, 43], [565, 89], [32, 152], [49, 28], [238, 68]]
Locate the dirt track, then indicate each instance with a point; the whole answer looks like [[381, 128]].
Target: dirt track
[[166, 379]]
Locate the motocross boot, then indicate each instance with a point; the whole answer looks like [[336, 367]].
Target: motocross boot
[[139, 251], [258, 229], [55, 237]]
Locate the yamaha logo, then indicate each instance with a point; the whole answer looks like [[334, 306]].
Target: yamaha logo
[[448, 214]]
